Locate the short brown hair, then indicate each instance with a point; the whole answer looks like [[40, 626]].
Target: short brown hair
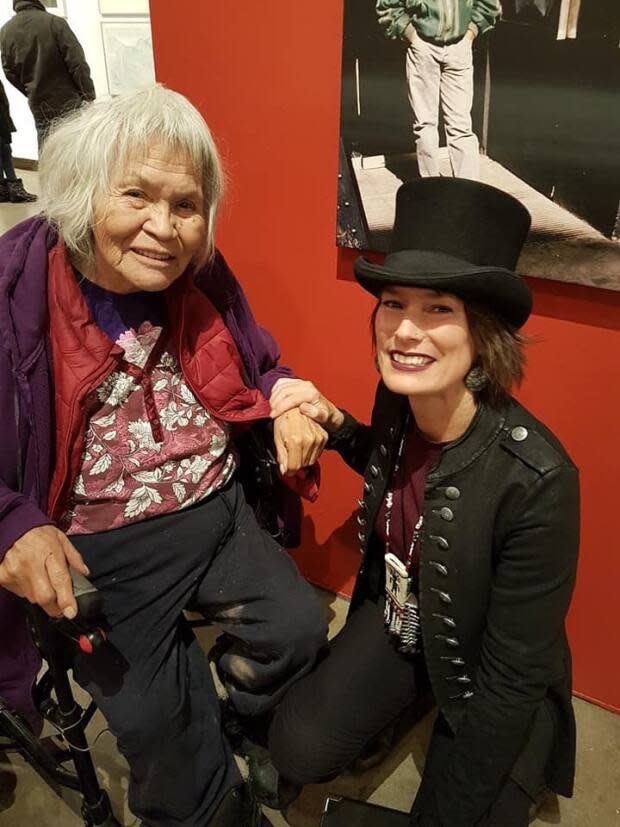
[[500, 352]]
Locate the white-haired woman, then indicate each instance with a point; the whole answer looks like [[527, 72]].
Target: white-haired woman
[[129, 358]]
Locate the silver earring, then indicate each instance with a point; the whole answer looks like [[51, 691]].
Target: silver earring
[[476, 379]]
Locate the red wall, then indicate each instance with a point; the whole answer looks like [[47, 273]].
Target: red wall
[[267, 79]]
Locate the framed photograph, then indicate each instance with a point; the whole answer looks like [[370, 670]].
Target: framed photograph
[[128, 49], [119, 8], [541, 115], [56, 7]]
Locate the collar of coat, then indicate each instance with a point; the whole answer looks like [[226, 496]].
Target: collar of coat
[[22, 5], [484, 428]]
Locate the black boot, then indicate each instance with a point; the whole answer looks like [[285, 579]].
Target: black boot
[[17, 193], [247, 736], [4, 191], [239, 808]]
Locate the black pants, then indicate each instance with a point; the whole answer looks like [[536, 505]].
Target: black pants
[[6, 161], [360, 687], [153, 683]]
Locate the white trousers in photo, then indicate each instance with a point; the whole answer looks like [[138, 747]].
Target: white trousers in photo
[[443, 76]]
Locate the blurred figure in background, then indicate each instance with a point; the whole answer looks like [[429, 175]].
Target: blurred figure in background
[[11, 187], [44, 60]]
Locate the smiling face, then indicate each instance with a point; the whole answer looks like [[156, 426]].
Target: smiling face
[[423, 342], [151, 225]]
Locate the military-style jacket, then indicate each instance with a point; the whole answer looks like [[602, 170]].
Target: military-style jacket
[[441, 21], [498, 558]]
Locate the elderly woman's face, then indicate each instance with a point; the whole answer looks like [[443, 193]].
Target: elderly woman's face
[[151, 226], [423, 341]]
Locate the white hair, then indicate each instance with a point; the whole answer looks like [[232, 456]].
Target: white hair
[[84, 150]]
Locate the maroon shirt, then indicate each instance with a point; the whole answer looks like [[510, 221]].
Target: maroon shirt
[[407, 484]]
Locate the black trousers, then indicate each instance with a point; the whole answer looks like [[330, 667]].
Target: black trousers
[[153, 682], [6, 161], [359, 688]]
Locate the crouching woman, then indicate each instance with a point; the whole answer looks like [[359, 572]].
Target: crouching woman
[[469, 530]]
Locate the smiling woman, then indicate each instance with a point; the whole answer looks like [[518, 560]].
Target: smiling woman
[[118, 312], [151, 226], [469, 530]]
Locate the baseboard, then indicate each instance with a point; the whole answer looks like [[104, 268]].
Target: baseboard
[[26, 163], [596, 702]]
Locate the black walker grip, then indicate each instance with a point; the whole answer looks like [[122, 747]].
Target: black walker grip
[[89, 601]]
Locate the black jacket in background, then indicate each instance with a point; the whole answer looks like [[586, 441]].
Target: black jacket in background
[[498, 558], [44, 60]]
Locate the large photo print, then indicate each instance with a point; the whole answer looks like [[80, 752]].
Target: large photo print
[[520, 94]]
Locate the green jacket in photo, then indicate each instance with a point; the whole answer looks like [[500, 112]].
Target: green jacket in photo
[[440, 21]]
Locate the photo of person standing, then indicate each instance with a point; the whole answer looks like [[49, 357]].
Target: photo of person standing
[[440, 73]]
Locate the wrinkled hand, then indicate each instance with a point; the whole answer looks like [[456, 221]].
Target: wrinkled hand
[[289, 393], [300, 392], [299, 441], [304, 396], [36, 567]]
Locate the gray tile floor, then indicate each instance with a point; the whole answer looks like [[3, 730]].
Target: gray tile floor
[[25, 799]]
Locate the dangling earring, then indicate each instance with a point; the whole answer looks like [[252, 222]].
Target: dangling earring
[[476, 379]]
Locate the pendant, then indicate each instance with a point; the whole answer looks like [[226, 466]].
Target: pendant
[[401, 605]]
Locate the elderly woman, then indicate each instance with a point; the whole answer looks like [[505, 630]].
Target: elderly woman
[[129, 361], [469, 530]]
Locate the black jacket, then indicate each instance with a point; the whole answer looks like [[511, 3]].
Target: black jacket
[[498, 561], [44, 60]]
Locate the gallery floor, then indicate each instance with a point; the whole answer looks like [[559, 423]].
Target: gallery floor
[[25, 799]]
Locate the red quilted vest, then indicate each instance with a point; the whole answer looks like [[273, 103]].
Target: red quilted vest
[[83, 356]]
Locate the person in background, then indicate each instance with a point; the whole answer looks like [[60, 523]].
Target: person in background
[[469, 530], [11, 187], [440, 73], [44, 60], [130, 365]]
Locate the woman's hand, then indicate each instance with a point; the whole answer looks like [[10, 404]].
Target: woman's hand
[[299, 441], [289, 394], [36, 567]]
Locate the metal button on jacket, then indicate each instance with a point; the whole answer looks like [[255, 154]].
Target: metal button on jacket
[[450, 622], [452, 492], [454, 661], [443, 596], [439, 567], [361, 520], [441, 541], [519, 433], [368, 487], [374, 470], [450, 641], [361, 536], [447, 514], [383, 450]]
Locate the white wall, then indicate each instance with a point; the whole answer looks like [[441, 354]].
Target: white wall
[[85, 19]]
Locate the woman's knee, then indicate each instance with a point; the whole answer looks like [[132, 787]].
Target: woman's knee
[[303, 749]]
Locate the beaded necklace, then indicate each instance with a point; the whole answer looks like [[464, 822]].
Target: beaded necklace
[[389, 504]]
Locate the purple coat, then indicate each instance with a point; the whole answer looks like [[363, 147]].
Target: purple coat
[[26, 412]]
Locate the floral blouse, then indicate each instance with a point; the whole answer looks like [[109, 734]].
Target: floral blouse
[[151, 448]]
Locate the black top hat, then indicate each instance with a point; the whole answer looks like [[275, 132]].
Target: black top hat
[[456, 236]]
